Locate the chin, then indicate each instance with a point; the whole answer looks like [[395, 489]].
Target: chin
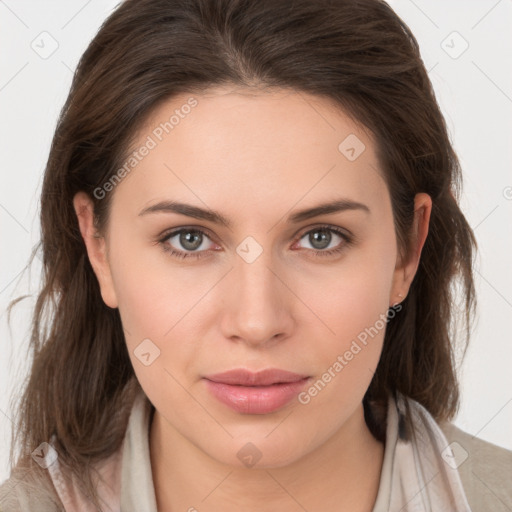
[[259, 452]]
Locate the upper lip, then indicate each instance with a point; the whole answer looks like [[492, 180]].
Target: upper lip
[[242, 377]]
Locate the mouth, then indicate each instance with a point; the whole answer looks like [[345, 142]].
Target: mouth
[[256, 393]]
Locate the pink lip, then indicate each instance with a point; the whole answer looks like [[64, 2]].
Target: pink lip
[[255, 393]]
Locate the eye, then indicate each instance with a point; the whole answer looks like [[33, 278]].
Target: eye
[[322, 237], [186, 243], [192, 242]]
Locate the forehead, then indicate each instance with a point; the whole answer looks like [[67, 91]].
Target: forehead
[[250, 148]]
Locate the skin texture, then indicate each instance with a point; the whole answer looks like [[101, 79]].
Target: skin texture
[[256, 157]]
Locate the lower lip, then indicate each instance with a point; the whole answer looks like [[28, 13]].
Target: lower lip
[[256, 399]]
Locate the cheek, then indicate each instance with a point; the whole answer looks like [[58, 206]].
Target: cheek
[[353, 304], [154, 317], [162, 303], [346, 360], [356, 293], [152, 297]]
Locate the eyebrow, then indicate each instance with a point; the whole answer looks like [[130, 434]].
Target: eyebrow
[[189, 210]]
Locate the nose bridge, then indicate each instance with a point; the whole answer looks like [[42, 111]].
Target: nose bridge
[[256, 281], [256, 309], [252, 267]]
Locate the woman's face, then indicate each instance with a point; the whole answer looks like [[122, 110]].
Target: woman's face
[[277, 285]]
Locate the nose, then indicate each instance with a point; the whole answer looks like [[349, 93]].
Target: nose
[[257, 306]]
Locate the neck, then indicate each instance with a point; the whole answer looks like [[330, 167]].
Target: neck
[[343, 474]]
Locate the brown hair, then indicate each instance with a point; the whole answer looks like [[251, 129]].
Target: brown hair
[[360, 55]]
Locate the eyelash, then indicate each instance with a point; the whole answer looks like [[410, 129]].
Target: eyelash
[[348, 240]]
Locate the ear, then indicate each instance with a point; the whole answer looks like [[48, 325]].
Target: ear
[[96, 247], [406, 270]]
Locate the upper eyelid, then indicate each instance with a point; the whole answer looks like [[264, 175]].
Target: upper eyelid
[[173, 232]]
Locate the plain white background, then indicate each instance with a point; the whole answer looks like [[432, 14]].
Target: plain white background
[[466, 47]]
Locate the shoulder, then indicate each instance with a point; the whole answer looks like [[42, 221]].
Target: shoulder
[[28, 491], [56, 489], [485, 470]]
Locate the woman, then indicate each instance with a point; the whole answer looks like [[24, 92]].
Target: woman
[[250, 232]]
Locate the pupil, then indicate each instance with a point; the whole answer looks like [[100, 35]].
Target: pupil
[[322, 241]]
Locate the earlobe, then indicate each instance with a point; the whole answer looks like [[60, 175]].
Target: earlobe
[[405, 272], [96, 247]]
